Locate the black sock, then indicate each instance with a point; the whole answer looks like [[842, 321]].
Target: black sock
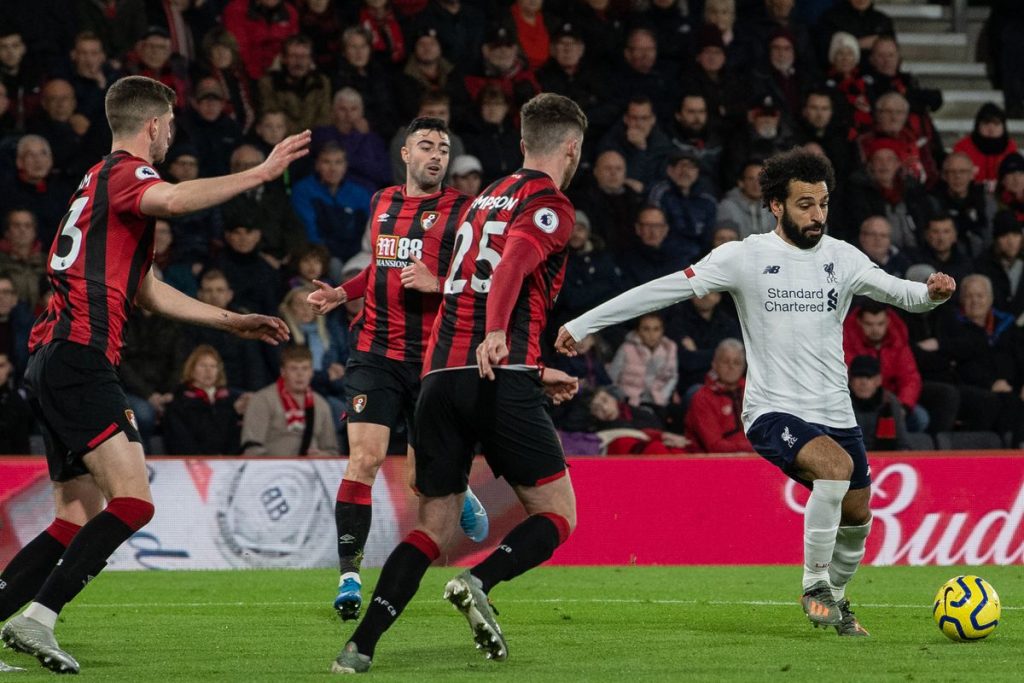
[[26, 572], [83, 559], [525, 547], [353, 523], [399, 580]]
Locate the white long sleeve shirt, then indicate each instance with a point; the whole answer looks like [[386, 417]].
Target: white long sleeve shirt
[[791, 304]]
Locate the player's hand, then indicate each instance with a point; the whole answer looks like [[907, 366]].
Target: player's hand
[[565, 344], [284, 153], [326, 298], [940, 286], [417, 276], [559, 386], [491, 351], [263, 327]]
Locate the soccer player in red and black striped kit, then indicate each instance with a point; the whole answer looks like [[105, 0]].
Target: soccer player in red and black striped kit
[[484, 383], [99, 269], [412, 231]]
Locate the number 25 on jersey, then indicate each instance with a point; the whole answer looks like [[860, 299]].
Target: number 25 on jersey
[[463, 242]]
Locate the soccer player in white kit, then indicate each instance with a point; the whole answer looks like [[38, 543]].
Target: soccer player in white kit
[[792, 289]]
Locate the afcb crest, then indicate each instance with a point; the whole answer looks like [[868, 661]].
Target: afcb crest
[[428, 219], [359, 403]]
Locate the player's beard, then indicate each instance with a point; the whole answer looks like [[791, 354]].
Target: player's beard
[[422, 180], [570, 171], [797, 235], [157, 151]]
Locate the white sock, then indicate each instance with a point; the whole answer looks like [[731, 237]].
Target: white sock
[[44, 615], [846, 557], [821, 523], [350, 575]]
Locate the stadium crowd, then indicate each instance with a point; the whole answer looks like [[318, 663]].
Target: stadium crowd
[[685, 99]]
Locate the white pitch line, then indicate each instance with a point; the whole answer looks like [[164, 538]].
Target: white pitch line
[[552, 601]]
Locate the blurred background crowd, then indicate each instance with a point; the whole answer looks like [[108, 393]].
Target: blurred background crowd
[[685, 100]]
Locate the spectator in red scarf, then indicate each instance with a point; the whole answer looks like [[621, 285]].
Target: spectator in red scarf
[[882, 190], [892, 122], [204, 417], [844, 77], [288, 417]]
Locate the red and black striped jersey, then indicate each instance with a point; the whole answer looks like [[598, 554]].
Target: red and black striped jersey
[[395, 321], [526, 205], [103, 250]]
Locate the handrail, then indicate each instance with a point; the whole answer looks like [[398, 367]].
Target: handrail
[[959, 15]]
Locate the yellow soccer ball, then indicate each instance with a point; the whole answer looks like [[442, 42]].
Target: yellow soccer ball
[[966, 608]]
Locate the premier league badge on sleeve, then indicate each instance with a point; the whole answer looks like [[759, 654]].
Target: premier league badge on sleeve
[[545, 219]]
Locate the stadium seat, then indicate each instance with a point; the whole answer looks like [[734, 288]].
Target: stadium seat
[[920, 441], [952, 441]]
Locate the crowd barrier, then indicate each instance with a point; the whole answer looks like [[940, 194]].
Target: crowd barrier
[[929, 508]]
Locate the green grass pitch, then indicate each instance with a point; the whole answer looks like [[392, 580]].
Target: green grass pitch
[[562, 624]]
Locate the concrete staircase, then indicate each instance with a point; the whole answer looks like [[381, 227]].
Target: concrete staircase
[[942, 58]]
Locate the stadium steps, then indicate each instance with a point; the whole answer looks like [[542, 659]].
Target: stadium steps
[[944, 59]]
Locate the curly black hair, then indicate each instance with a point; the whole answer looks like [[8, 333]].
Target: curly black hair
[[796, 164]]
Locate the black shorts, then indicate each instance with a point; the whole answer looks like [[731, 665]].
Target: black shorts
[[508, 417], [78, 398], [778, 437], [380, 391]]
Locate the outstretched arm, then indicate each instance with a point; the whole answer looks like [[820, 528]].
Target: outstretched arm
[[159, 297], [165, 200], [910, 296], [642, 299], [326, 298]]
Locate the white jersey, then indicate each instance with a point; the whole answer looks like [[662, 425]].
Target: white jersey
[[791, 304]]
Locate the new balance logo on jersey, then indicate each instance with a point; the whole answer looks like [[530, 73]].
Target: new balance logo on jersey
[[833, 300], [771, 270], [788, 437], [383, 218]]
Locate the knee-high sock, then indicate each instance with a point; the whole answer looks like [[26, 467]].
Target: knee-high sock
[[399, 580], [89, 550], [821, 523], [26, 572], [353, 513], [526, 546], [846, 557]]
